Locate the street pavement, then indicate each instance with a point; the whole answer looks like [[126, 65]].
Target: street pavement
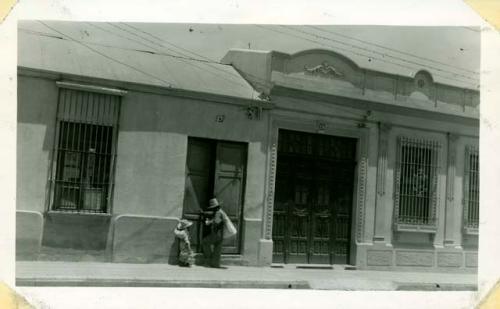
[[47, 273]]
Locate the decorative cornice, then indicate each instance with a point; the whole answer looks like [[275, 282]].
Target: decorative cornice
[[288, 86], [330, 71]]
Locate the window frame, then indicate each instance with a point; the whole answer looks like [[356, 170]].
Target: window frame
[[108, 96], [470, 229], [434, 147]]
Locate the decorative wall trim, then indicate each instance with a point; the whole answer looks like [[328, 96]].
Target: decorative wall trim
[[415, 258], [449, 259], [362, 173], [327, 64], [379, 257], [321, 126], [340, 127], [270, 192], [254, 112], [324, 69], [471, 259]]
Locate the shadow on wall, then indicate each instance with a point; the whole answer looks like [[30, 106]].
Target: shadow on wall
[[125, 239], [141, 239], [173, 256]]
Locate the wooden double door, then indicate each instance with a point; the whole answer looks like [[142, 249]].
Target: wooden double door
[[313, 198], [215, 169]]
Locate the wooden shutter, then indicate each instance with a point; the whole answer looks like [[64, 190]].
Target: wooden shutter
[[228, 187], [88, 107]]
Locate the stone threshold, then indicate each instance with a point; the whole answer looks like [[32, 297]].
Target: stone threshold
[[314, 266]]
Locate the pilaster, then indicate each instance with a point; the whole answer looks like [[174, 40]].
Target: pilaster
[[452, 204], [382, 212]]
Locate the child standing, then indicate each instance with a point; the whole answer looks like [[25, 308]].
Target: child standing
[[186, 254]]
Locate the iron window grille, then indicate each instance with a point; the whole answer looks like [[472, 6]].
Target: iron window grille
[[83, 164], [416, 182], [471, 189]]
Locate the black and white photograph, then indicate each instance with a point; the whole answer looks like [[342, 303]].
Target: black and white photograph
[[247, 156], [226, 156]]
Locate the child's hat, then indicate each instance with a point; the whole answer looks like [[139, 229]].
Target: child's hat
[[183, 223]]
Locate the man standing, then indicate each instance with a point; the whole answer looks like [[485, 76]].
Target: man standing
[[213, 230]]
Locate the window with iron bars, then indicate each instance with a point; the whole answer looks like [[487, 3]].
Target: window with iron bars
[[416, 182], [85, 151], [471, 188]]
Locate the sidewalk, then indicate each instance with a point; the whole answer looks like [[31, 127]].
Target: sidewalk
[[289, 277]]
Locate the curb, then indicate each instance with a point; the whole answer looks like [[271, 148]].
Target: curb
[[415, 286], [228, 284]]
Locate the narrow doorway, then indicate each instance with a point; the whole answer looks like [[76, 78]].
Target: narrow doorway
[[215, 169]]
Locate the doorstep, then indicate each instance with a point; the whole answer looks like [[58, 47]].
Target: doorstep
[[314, 266], [233, 259], [226, 259]]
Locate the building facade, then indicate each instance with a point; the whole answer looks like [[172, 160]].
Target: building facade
[[315, 159]]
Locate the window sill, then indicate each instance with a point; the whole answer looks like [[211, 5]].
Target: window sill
[[64, 213], [471, 230], [416, 228]]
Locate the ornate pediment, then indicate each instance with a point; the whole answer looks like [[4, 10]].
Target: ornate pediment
[[324, 69]]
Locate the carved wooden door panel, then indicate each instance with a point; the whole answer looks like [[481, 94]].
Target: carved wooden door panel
[[313, 198], [321, 215], [284, 194], [299, 213], [342, 190]]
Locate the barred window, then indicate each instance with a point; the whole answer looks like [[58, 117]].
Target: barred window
[[471, 188], [86, 131], [416, 181]]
